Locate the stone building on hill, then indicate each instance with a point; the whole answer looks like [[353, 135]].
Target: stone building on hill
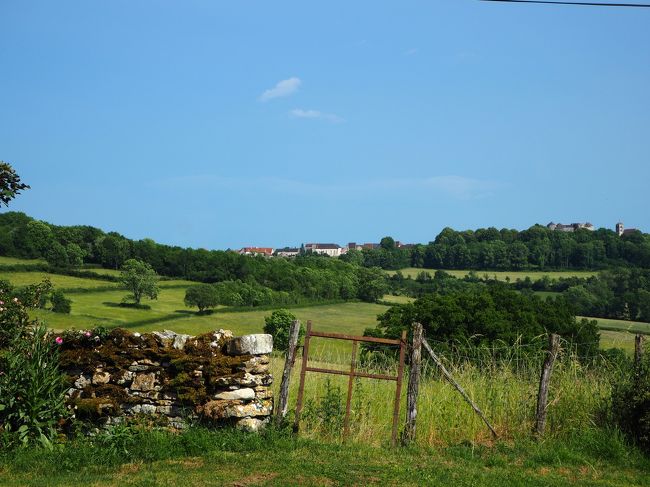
[[572, 227]]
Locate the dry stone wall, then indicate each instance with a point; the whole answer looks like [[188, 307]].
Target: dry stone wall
[[171, 377]]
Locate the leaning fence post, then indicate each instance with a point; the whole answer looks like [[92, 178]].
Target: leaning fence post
[[547, 369], [638, 351], [460, 390], [290, 358], [408, 435]]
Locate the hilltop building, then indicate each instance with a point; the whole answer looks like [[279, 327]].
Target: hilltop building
[[333, 250], [266, 251], [621, 230], [287, 252], [572, 227]]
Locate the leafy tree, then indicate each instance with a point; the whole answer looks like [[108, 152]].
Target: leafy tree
[[60, 304], [75, 255], [139, 278], [372, 284], [203, 296], [57, 256], [10, 184], [279, 325]]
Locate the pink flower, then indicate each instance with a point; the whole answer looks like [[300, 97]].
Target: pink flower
[[1, 303], [58, 340], [88, 334]]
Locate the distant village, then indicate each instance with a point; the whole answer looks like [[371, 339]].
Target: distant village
[[330, 249], [335, 250]]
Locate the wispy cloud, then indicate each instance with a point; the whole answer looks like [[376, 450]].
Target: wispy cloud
[[315, 114], [410, 52], [452, 186], [285, 87]]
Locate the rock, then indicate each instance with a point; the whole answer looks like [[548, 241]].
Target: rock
[[258, 344], [254, 380], [240, 394], [262, 392], [256, 408], [221, 335], [144, 382], [126, 377], [252, 425], [165, 337], [101, 378], [179, 341], [82, 382]]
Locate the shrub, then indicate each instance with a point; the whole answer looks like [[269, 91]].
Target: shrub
[[631, 404], [60, 304], [278, 325], [32, 389]]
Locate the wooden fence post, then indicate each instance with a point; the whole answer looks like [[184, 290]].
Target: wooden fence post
[[547, 369], [638, 351], [290, 359], [408, 435]]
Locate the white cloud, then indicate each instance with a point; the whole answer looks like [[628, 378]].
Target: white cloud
[[300, 113], [285, 87]]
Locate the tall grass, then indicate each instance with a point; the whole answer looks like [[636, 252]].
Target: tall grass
[[503, 383]]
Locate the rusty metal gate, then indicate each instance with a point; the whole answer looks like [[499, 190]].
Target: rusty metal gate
[[352, 373]]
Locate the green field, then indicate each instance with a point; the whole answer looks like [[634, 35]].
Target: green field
[[626, 326], [500, 275], [90, 309], [16, 261], [67, 282]]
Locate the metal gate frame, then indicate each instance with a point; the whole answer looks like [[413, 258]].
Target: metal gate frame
[[352, 373]]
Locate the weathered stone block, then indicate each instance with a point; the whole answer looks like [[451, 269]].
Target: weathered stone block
[[240, 394], [101, 377], [250, 345], [144, 382], [252, 425]]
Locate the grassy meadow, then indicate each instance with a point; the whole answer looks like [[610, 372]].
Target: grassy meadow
[[500, 275], [97, 303]]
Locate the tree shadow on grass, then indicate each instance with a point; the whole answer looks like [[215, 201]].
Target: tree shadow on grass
[[152, 321], [127, 305]]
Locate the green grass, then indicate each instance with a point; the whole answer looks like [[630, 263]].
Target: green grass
[[200, 457], [25, 278], [500, 275], [622, 325], [16, 261], [389, 298]]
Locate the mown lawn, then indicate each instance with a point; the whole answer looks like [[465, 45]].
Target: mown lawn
[[500, 275]]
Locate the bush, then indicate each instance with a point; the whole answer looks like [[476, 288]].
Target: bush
[[278, 325], [60, 304], [631, 404], [32, 389]]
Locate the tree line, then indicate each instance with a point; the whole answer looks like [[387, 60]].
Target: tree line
[[492, 249], [257, 279]]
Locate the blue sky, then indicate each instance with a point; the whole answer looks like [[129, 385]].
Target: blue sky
[[222, 124]]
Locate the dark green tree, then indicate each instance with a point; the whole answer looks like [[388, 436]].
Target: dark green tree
[[278, 324], [203, 296], [139, 278], [10, 184]]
